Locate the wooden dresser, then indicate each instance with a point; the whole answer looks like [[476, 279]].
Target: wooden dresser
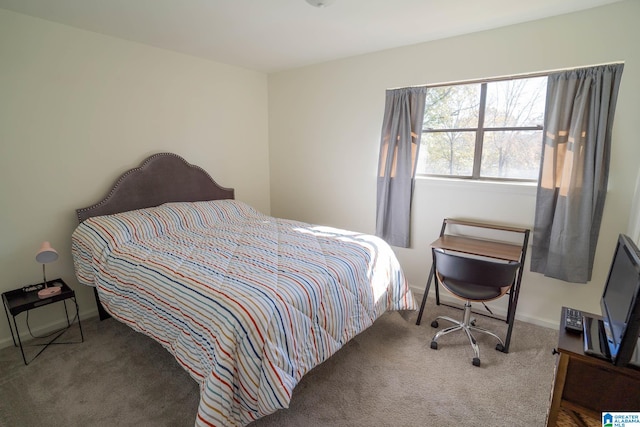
[[585, 386]]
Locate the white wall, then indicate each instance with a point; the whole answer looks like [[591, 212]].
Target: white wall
[[77, 109], [324, 132], [634, 220]]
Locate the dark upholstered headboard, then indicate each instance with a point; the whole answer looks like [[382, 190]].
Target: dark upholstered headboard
[[161, 178]]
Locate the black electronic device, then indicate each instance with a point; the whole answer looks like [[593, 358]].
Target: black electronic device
[[620, 304], [573, 320], [595, 338], [635, 357]]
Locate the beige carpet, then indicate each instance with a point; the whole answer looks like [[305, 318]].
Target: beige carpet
[[386, 376]]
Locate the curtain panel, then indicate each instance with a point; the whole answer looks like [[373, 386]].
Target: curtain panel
[[399, 146], [574, 170]]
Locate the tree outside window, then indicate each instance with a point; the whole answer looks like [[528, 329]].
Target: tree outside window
[[489, 130]]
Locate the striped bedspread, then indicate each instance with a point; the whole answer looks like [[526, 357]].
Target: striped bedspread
[[246, 303]]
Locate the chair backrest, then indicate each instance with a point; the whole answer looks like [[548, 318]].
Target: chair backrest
[[477, 271]]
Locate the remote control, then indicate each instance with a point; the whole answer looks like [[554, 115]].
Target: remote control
[[573, 320], [32, 288]]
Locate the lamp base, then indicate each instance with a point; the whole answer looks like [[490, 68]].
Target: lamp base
[[50, 291]]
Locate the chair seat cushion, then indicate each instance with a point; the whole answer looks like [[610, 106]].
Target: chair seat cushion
[[470, 291]]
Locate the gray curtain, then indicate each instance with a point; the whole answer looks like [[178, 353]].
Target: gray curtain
[[399, 146], [574, 170]]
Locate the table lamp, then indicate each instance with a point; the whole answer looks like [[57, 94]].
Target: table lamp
[[45, 255]]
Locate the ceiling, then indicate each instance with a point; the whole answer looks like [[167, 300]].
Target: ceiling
[[274, 35]]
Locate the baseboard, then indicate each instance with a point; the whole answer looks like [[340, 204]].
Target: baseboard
[[418, 292], [499, 311], [45, 329]]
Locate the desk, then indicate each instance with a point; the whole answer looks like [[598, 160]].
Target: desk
[[487, 248], [587, 386]]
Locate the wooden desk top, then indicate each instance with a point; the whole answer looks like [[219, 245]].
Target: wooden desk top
[[452, 221], [488, 248]]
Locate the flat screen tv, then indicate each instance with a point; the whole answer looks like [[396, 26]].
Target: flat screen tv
[[620, 302]]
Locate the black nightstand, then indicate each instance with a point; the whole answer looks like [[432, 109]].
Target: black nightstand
[[21, 300]]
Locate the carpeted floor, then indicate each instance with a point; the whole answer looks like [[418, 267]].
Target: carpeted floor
[[386, 376]]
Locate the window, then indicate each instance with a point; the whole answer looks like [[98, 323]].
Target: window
[[488, 130]]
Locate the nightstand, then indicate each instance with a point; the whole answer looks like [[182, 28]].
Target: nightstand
[[26, 299]]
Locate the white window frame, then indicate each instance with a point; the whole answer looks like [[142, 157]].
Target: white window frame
[[480, 130]]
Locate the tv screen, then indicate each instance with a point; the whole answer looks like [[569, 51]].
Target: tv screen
[[620, 301]]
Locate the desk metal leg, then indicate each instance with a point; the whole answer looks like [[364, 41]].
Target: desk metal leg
[[513, 296], [426, 293], [511, 313]]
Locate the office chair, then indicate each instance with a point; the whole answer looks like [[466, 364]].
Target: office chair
[[472, 280]]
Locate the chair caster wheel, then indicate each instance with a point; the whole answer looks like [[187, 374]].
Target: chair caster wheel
[[434, 324], [500, 347], [476, 361], [434, 345]]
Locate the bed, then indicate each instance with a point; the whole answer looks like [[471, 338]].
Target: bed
[[245, 302]]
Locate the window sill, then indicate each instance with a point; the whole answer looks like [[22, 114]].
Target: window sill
[[527, 188]]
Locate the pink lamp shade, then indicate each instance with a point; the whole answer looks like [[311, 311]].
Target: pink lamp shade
[[45, 255]]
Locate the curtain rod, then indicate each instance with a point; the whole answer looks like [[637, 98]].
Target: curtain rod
[[510, 76]]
